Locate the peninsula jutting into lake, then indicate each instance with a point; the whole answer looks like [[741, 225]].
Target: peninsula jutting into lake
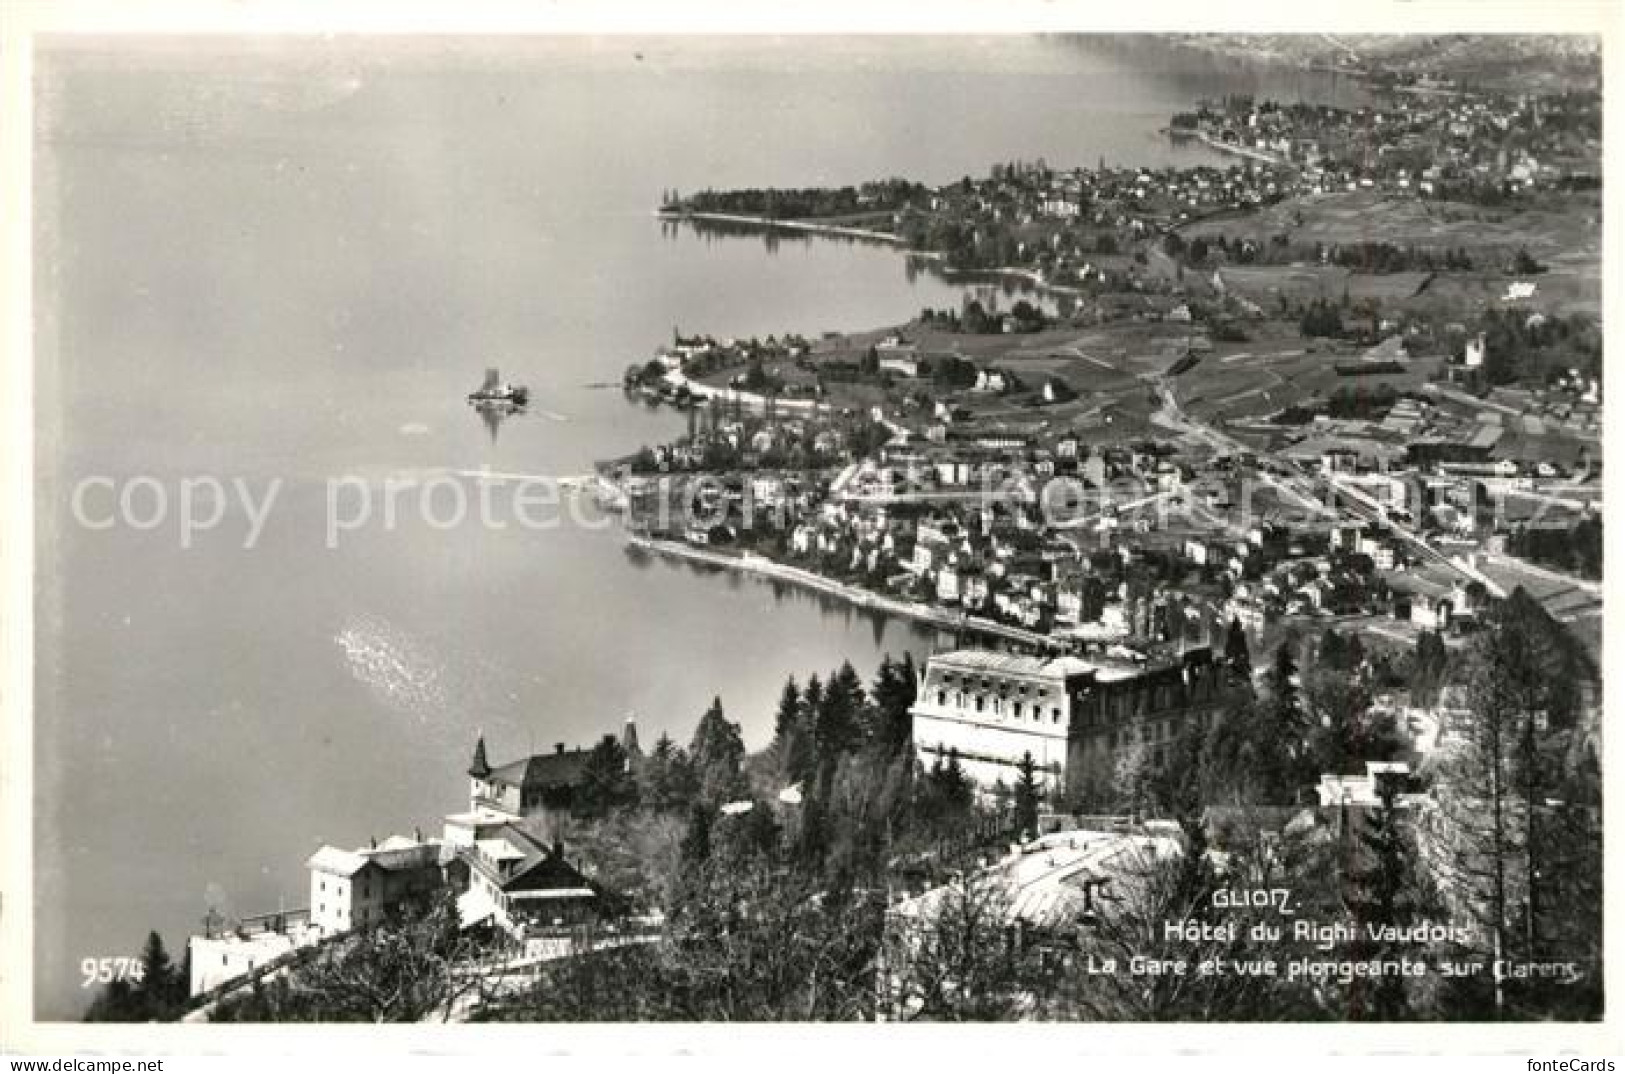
[[1049, 556]]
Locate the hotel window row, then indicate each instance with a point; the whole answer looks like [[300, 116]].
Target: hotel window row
[[972, 682], [980, 703]]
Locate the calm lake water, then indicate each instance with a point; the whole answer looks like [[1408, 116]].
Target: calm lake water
[[287, 263]]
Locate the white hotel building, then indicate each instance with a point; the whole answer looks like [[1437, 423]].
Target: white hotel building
[[991, 709]]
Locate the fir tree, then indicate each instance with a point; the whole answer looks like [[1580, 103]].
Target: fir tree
[[120, 1001], [945, 794], [1235, 650], [753, 833], [157, 970], [606, 779], [1505, 797], [894, 695], [1382, 894], [957, 792], [695, 848], [786, 724], [1429, 666], [838, 723], [812, 835], [801, 765], [718, 753], [1284, 741], [665, 780], [158, 996]]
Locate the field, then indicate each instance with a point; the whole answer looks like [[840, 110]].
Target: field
[[1565, 224], [1300, 283], [1115, 421], [1387, 287], [1268, 284], [1108, 367], [1275, 370], [1568, 288], [1564, 235]]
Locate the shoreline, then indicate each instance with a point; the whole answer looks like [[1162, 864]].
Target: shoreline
[[751, 563], [1240, 150], [1039, 284], [762, 566], [786, 225], [700, 390], [1028, 276]]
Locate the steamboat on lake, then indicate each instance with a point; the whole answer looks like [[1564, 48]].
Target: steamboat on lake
[[496, 393]]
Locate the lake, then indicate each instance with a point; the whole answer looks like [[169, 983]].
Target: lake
[[283, 264]]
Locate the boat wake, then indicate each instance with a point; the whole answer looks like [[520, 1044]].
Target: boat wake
[[505, 475], [397, 670], [413, 678]]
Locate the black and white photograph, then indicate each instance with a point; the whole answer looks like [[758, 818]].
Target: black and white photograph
[[1015, 525]]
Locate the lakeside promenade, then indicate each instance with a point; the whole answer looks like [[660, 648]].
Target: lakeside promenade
[[1238, 150], [751, 563], [676, 379], [785, 225]]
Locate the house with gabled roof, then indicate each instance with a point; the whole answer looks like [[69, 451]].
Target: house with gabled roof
[[352, 889], [506, 875], [542, 781], [504, 871]]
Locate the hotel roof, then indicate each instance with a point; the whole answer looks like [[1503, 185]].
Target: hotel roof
[[1060, 667], [1012, 664], [336, 861], [987, 660], [396, 852]]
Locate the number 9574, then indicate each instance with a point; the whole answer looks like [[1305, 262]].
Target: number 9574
[[110, 968]]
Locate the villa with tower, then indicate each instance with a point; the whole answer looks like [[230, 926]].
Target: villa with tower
[[508, 871]]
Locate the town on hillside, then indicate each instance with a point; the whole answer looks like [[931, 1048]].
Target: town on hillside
[[1257, 511]]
